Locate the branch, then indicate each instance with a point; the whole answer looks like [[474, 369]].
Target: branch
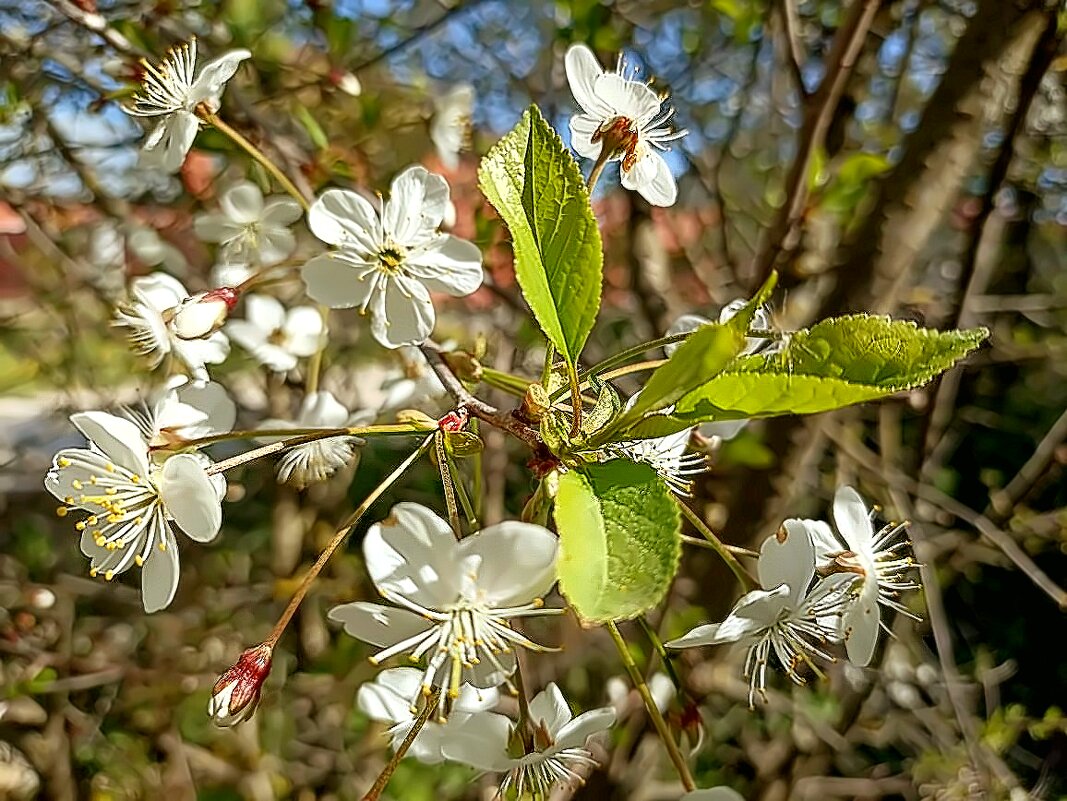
[[794, 48], [505, 421], [818, 114], [98, 25], [417, 34]]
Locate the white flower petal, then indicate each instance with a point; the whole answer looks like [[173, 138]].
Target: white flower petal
[[449, 264], [861, 624], [158, 291], [388, 697], [190, 497], [211, 81], [652, 179], [206, 400], [265, 312], [275, 245], [517, 561], [215, 228], [575, 733], [303, 330], [853, 520], [403, 313], [824, 540], [754, 612], [583, 71], [480, 741], [550, 708], [416, 206], [242, 203], [343, 218], [631, 99], [280, 212], [583, 126], [376, 624], [787, 557], [334, 282], [322, 410], [169, 143], [117, 437], [685, 324], [159, 575]]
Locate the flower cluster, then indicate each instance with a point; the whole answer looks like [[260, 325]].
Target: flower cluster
[[816, 589]]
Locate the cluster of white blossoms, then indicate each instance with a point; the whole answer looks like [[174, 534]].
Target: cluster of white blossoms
[[817, 589]]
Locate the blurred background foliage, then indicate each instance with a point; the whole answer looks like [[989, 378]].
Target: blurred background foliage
[[934, 187]]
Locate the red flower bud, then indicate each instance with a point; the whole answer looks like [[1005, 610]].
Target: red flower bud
[[236, 694], [202, 315]]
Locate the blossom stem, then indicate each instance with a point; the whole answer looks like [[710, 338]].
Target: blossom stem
[[628, 369], [717, 545], [653, 711], [664, 657], [462, 495], [594, 174], [506, 382], [352, 431], [335, 543], [447, 484], [524, 700], [576, 401], [374, 793], [255, 153], [622, 357]]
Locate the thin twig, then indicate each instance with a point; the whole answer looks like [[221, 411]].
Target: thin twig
[[717, 545], [794, 48], [375, 792]]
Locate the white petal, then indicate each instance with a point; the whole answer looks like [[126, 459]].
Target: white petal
[[723, 429], [550, 708], [378, 625], [303, 330], [517, 562], [242, 203], [652, 179], [280, 212], [631, 99], [824, 540], [417, 202], [685, 324], [413, 552], [388, 697], [472, 699], [273, 357], [212, 402], [449, 264], [861, 624], [787, 561], [344, 218], [486, 676], [211, 81], [583, 126], [119, 439], [275, 245], [575, 733], [170, 142], [198, 352], [583, 70], [215, 228], [190, 497], [403, 313], [158, 291], [159, 575], [334, 282], [853, 520], [754, 612], [265, 312], [322, 410], [480, 741]]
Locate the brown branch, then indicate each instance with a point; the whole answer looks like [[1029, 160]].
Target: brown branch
[[819, 111], [505, 421], [98, 24]]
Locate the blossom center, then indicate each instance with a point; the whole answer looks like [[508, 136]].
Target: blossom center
[[621, 138], [391, 258]]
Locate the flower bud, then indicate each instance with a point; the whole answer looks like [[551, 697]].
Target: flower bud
[[202, 315], [236, 694]]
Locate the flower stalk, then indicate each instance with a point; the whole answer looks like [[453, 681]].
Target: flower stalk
[[653, 711], [375, 792], [717, 545]]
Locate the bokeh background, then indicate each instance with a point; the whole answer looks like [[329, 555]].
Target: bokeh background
[[934, 187]]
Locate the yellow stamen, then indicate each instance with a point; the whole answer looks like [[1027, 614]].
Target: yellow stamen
[[62, 511]]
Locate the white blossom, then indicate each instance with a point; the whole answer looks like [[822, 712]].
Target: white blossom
[[554, 750], [316, 461], [452, 598], [249, 229], [154, 301], [277, 338], [450, 130], [185, 410], [134, 502], [387, 264], [388, 699], [876, 562], [782, 617], [231, 273], [627, 116], [171, 92]]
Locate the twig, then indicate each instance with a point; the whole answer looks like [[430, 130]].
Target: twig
[[387, 772], [97, 24], [716, 544], [818, 114], [794, 49], [479, 408], [1020, 484], [416, 34]]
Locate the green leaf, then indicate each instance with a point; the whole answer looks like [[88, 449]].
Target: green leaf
[[620, 539], [837, 362], [535, 185], [706, 352]]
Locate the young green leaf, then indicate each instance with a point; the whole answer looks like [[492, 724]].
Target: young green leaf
[[837, 362], [620, 539], [706, 352], [535, 185]]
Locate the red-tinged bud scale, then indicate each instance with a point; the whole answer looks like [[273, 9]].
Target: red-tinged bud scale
[[203, 314], [236, 693]]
